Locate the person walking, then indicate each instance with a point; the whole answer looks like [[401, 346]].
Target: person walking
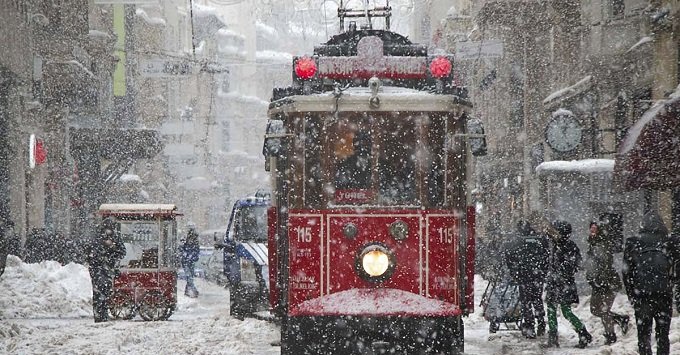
[[189, 252], [647, 276], [604, 282], [104, 251], [564, 261], [12, 239], [4, 246], [526, 257]]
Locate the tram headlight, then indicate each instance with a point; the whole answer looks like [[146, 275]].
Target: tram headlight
[[248, 272], [375, 262]]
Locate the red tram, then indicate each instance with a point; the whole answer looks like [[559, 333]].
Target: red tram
[[371, 236]]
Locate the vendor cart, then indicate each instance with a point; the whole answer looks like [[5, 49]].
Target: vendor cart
[[146, 283]]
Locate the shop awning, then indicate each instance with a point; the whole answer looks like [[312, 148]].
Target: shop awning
[[649, 156]]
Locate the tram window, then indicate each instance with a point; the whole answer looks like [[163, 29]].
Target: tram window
[[435, 170], [313, 176], [354, 171], [396, 166]]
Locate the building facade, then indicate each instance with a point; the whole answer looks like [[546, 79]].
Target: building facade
[[57, 68], [536, 67]]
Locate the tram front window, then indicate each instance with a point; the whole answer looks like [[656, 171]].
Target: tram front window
[[354, 171], [251, 224], [375, 160], [396, 165]]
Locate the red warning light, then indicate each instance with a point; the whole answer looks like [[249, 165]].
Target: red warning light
[[440, 67], [305, 68]]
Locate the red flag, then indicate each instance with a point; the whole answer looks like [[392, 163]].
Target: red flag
[[40, 152]]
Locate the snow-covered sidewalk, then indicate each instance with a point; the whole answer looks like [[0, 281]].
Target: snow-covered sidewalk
[[479, 341], [46, 309]]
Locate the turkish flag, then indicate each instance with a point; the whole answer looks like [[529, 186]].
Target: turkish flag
[[40, 152]]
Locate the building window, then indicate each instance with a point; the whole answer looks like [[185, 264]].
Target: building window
[[618, 8]]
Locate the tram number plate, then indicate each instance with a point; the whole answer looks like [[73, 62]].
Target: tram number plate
[[446, 234], [304, 234]]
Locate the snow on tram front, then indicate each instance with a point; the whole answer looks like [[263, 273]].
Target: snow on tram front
[[371, 236]]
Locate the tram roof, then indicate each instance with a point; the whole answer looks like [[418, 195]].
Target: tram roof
[[357, 99], [139, 209]]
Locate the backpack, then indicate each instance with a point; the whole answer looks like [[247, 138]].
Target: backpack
[[653, 271]]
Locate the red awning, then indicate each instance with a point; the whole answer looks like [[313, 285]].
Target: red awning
[[649, 156]]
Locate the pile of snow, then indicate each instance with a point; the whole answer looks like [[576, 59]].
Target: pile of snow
[[204, 10], [379, 302], [584, 166], [223, 32], [561, 94], [46, 309], [45, 290], [266, 30], [154, 21], [274, 57], [130, 178], [642, 41], [235, 96]]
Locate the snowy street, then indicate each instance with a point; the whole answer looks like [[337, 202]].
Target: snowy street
[[45, 309]]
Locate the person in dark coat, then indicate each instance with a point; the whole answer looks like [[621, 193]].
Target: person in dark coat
[[564, 261], [647, 275], [4, 246], [189, 252], [104, 252], [526, 257], [354, 172], [604, 282], [37, 246], [13, 240]]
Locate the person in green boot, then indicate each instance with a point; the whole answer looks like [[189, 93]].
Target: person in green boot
[[564, 261]]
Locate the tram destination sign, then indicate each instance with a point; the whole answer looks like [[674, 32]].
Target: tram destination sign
[[370, 61]]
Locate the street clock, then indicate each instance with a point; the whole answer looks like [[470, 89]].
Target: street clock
[[563, 133]]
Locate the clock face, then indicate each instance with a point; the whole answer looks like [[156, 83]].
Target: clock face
[[563, 133]]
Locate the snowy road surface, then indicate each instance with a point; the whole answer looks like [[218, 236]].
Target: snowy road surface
[[46, 309]]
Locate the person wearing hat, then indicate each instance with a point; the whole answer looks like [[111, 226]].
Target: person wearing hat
[[604, 282], [563, 262], [648, 278], [104, 251]]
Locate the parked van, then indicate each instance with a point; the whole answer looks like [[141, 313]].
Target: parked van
[[246, 263]]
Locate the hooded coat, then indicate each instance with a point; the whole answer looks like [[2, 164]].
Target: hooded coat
[[564, 261], [189, 251], [526, 256], [653, 235], [104, 251], [600, 271]]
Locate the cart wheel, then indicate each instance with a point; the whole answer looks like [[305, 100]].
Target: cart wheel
[[153, 307], [169, 310], [121, 306]]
